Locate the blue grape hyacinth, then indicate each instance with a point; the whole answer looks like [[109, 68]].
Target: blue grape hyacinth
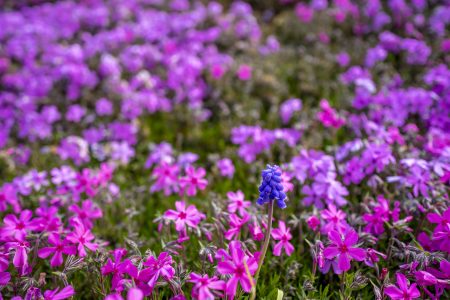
[[271, 188]]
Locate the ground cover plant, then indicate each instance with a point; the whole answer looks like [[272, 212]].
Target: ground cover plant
[[179, 149]]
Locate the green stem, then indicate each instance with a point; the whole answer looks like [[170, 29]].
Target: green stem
[[264, 248]]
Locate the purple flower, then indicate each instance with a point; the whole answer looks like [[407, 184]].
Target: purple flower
[[271, 188], [283, 235], [304, 13], [402, 291], [184, 216], [342, 248], [203, 286], [236, 224], [244, 72], [87, 212], [226, 167], [59, 247], [104, 107], [75, 113], [118, 268], [288, 108], [193, 180], [237, 203], [83, 238], [166, 176], [157, 267], [335, 219], [343, 59], [18, 227], [58, 294], [238, 265]]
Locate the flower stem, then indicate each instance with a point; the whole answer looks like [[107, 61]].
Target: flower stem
[[264, 248]]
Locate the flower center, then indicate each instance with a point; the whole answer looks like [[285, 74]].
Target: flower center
[[20, 226], [182, 215], [344, 248]]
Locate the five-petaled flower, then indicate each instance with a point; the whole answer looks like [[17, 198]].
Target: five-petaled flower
[[343, 248], [193, 180], [402, 291], [203, 284], [59, 247], [283, 235], [184, 216]]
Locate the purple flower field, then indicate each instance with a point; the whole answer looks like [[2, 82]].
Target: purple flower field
[[271, 149]]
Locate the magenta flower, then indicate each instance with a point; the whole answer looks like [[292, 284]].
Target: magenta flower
[[283, 235], [82, 237], [313, 222], [5, 277], [118, 268], [403, 291], [20, 259], [87, 213], [157, 267], [235, 264], [226, 167], [183, 216], [328, 116], [57, 294], [236, 202], [335, 219], [244, 72], [203, 286], [236, 224], [133, 294], [193, 180], [166, 176], [343, 249], [59, 248], [8, 195], [18, 227]]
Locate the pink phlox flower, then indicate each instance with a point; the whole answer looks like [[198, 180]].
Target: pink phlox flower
[[133, 294], [283, 235], [328, 116], [118, 268], [286, 182], [256, 232], [87, 213], [18, 227], [237, 202], [334, 218], [157, 267], [47, 219], [373, 257], [402, 291], [8, 195], [244, 72], [58, 248], [58, 294], [343, 248], [235, 264], [226, 167], [313, 222], [166, 176], [193, 180], [236, 224], [82, 237], [203, 285], [20, 259], [184, 216], [440, 220]]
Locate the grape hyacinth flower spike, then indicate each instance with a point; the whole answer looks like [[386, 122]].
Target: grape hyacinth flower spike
[[270, 190]]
